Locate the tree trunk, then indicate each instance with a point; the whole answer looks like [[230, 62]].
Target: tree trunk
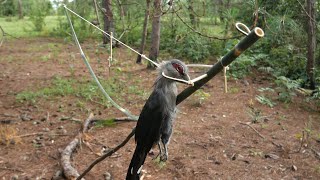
[[108, 20], [155, 34], [311, 42], [20, 9], [144, 31]]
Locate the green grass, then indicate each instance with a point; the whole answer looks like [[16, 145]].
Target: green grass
[[24, 27], [60, 87]]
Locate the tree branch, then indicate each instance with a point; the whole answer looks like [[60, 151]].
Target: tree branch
[[204, 35], [69, 171], [109, 153]]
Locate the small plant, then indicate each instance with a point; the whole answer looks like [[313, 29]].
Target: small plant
[[285, 88], [8, 135], [45, 58], [267, 89], [201, 97], [72, 70], [264, 100], [233, 90], [255, 114], [105, 123]]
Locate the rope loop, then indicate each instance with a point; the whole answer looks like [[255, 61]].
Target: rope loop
[[242, 28]]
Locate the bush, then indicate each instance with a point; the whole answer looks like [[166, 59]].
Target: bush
[[188, 45], [39, 10]]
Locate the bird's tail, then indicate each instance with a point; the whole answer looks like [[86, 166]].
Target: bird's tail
[[136, 163]]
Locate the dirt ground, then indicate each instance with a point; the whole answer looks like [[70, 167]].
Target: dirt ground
[[210, 140]]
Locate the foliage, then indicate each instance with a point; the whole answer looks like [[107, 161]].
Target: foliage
[[316, 94], [39, 10], [281, 53], [192, 47], [243, 65], [264, 100], [285, 88], [7, 8], [255, 114], [202, 96]]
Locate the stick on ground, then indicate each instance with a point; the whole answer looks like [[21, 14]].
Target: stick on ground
[[109, 153], [253, 129], [69, 171]]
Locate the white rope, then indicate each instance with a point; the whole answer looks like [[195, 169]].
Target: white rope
[[190, 82], [199, 78], [180, 80], [200, 65], [239, 27], [142, 55], [128, 113]]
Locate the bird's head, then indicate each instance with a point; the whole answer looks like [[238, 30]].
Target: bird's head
[[175, 69]]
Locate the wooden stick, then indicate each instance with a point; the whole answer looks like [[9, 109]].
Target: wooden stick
[[225, 79], [41, 133], [110, 57], [109, 153], [253, 129], [11, 169], [69, 171]]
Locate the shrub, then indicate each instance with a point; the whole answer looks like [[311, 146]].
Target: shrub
[[39, 10]]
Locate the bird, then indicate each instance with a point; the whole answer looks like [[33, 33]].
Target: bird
[[154, 126]]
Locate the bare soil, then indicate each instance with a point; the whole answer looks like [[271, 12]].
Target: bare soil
[[210, 140]]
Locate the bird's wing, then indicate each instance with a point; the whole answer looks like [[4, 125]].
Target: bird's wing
[[149, 123]]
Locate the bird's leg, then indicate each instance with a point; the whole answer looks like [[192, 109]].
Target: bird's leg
[[160, 151], [164, 156]]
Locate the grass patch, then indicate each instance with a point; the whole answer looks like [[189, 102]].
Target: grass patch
[[64, 87], [24, 27], [105, 123]]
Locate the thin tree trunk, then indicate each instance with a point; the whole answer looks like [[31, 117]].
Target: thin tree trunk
[[220, 10], [108, 20], [96, 11], [311, 42], [20, 9], [192, 17], [122, 16], [155, 34], [121, 9], [144, 31]]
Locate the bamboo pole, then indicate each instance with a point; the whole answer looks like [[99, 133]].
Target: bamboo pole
[[244, 44]]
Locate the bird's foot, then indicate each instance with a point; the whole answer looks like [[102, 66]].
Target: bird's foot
[[164, 157], [156, 157]]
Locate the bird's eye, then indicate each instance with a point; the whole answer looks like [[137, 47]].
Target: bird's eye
[[179, 68]]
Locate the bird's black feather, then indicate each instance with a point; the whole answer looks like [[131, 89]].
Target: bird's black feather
[[147, 133]]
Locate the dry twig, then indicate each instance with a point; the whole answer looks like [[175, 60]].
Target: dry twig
[[69, 171], [11, 169], [109, 153], [253, 129]]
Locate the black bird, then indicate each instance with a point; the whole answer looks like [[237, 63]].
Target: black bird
[[154, 125]]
